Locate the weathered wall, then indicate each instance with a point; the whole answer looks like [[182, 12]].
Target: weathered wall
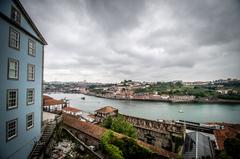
[[157, 133], [88, 140]]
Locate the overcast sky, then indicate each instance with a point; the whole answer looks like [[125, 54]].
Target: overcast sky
[[144, 40]]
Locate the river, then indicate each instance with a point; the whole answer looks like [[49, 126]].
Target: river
[[158, 110]]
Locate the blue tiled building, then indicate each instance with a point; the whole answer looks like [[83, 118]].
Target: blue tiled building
[[21, 77]]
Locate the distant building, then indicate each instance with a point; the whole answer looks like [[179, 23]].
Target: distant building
[[197, 146], [177, 98], [105, 112], [165, 96], [21, 67]]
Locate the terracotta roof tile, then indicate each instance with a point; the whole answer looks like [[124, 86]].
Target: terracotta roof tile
[[222, 134], [107, 109], [49, 102], [71, 109], [88, 128], [45, 97]]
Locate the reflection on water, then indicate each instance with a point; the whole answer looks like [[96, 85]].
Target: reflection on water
[[158, 110]]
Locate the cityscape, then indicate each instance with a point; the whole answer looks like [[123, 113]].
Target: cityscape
[[125, 79]]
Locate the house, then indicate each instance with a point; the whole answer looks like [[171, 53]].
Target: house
[[72, 111], [81, 115], [21, 67], [105, 112], [52, 105]]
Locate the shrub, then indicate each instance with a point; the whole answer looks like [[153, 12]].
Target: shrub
[[120, 125]]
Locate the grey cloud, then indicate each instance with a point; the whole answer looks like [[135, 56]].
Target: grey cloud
[[115, 15], [151, 40]]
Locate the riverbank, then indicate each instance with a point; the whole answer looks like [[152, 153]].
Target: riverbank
[[206, 101], [197, 112]]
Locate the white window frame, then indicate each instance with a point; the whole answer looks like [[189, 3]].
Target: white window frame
[[31, 72], [14, 38], [15, 15], [31, 47], [14, 69], [30, 99], [11, 98], [11, 129], [31, 121]]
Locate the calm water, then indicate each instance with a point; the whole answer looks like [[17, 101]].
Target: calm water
[[158, 110]]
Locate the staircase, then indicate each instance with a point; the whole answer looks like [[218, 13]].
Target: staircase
[[39, 146]]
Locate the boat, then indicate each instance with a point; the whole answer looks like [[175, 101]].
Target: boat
[[180, 111]]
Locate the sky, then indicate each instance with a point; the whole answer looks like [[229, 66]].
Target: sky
[[142, 40]]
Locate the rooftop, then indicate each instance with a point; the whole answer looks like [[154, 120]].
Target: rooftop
[[49, 102], [45, 97], [228, 132], [97, 132], [107, 109], [71, 109]]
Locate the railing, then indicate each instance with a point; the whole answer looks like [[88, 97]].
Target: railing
[[48, 122]]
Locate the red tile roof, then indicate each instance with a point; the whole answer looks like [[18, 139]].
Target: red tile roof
[[45, 97], [222, 134], [97, 132], [71, 109], [88, 128], [49, 102], [107, 109]]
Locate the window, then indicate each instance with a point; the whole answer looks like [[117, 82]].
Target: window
[[31, 47], [14, 39], [15, 15], [30, 96], [12, 98], [11, 129], [13, 68], [31, 72], [29, 121]]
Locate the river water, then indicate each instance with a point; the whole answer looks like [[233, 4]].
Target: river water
[[158, 110]]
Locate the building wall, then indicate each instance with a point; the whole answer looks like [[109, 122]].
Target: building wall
[[162, 133], [20, 146]]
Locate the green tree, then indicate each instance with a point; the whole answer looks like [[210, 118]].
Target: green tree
[[119, 124], [107, 123]]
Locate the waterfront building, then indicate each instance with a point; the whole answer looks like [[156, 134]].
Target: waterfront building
[[72, 111], [53, 105], [105, 112], [21, 67]]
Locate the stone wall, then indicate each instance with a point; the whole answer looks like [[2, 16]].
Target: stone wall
[[157, 133]]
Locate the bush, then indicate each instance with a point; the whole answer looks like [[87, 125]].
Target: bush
[[120, 125], [111, 150], [107, 123], [123, 148]]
